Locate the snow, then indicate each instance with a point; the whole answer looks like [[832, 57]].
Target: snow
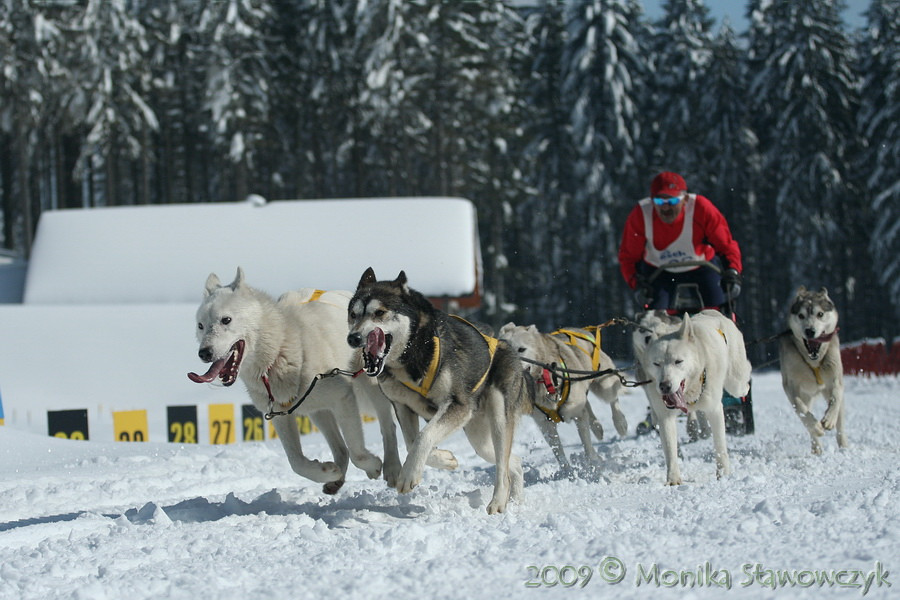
[[102, 519]]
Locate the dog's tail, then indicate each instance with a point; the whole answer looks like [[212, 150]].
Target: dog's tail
[[737, 379], [526, 393]]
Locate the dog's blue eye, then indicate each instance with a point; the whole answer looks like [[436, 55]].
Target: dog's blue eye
[[226, 320]]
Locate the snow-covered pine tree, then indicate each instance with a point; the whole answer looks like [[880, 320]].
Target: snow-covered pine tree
[[110, 78], [879, 122], [543, 228], [803, 102], [604, 67], [727, 169], [682, 51], [239, 78]]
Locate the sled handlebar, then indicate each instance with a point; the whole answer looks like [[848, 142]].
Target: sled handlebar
[[684, 263]]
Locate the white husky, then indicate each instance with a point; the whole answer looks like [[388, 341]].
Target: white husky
[[650, 325], [811, 364], [277, 348], [579, 350], [689, 369]]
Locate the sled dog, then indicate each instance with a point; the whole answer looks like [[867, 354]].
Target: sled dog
[[447, 371], [650, 325], [689, 369], [277, 348], [573, 349], [811, 364]]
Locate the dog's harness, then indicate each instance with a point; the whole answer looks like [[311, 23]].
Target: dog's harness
[[424, 388], [562, 393], [591, 335]]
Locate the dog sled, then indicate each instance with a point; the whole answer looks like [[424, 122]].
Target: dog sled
[[688, 300]]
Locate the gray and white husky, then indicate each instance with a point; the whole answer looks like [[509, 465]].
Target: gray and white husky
[[811, 364], [689, 369], [447, 371], [575, 349], [277, 348]]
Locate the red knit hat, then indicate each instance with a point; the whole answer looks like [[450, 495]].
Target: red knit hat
[[668, 183]]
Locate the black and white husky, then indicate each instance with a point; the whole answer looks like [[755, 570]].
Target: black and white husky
[[447, 371], [811, 364]]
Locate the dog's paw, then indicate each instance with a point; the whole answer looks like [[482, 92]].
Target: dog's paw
[[330, 472], [332, 487], [816, 429], [391, 473], [829, 420], [674, 481], [369, 463], [496, 507], [408, 480], [442, 459]]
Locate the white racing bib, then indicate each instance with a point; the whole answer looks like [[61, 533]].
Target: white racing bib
[[682, 249]]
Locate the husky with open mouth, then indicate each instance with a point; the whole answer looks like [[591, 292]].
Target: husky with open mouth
[[689, 368], [446, 370], [811, 364], [277, 348]]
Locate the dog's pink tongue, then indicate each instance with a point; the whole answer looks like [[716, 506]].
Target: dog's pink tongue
[[375, 342], [211, 374], [676, 400]]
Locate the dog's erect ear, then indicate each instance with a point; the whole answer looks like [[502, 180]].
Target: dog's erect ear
[[238, 280], [212, 284], [687, 329], [368, 278], [824, 291], [401, 282]]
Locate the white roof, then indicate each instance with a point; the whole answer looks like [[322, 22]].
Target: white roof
[[164, 253]]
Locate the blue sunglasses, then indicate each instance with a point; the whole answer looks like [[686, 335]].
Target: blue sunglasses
[[664, 201]]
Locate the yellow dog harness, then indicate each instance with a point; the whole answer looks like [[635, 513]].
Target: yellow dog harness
[[592, 336], [424, 388]]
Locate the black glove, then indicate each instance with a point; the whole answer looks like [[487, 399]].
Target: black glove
[[643, 293], [731, 283]]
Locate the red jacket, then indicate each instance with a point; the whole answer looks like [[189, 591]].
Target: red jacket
[[711, 236]]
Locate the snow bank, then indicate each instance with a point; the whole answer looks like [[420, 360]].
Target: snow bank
[[105, 520]]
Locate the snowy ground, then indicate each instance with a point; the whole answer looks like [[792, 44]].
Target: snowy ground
[[154, 520]]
